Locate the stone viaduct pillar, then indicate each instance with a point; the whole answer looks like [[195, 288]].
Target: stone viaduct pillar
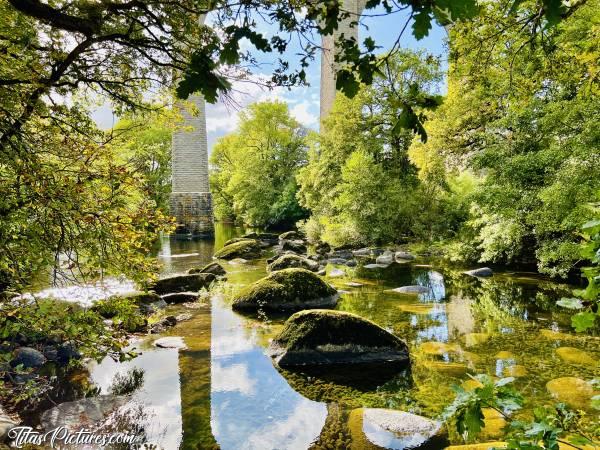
[[191, 202], [328, 65]]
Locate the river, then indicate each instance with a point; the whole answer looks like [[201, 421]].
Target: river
[[222, 391]]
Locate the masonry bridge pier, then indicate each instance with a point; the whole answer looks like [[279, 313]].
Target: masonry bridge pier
[[191, 201]]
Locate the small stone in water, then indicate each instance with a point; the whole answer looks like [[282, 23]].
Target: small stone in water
[[354, 284], [504, 355], [416, 289], [170, 342]]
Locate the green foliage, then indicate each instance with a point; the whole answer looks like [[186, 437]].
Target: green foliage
[[359, 183], [253, 169], [143, 142], [522, 116], [548, 426], [43, 321], [123, 311], [466, 410], [588, 301]]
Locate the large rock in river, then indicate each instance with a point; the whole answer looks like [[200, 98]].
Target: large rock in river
[[183, 283], [290, 260], [285, 290], [323, 337], [376, 429], [247, 249]]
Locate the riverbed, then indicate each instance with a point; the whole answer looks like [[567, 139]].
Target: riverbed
[[222, 391]]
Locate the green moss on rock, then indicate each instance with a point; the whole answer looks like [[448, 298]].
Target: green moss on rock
[[214, 267], [183, 283], [246, 248], [317, 337], [284, 290], [290, 260]]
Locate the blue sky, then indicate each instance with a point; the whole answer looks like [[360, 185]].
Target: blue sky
[[303, 102]]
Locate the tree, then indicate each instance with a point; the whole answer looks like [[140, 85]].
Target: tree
[[143, 142], [360, 139], [521, 113], [253, 169]]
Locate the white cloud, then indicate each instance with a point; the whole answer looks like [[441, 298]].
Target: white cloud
[[303, 115], [234, 378]]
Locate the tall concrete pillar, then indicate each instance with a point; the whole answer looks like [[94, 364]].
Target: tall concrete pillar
[[328, 43], [191, 202]]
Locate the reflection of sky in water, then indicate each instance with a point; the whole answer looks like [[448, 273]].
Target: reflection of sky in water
[[253, 407], [159, 395]]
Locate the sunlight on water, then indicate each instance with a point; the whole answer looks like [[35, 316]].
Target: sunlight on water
[[86, 295]]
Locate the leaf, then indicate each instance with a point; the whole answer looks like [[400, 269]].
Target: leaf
[[422, 23], [470, 420], [583, 321], [570, 303], [347, 83]]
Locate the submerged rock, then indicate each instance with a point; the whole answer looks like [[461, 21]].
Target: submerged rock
[[214, 267], [29, 357], [290, 260], [416, 289], [438, 348], [473, 339], [183, 283], [557, 335], [246, 248], [573, 391], [504, 355], [481, 272], [85, 413], [323, 337], [515, 371], [375, 429], [417, 308], [452, 369], [284, 290], [575, 356]]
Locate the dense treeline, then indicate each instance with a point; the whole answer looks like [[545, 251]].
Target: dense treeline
[[512, 160]]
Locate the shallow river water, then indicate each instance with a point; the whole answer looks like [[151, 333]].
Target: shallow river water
[[222, 391]]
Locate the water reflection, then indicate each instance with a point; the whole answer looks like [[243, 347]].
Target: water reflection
[[224, 392], [252, 405]]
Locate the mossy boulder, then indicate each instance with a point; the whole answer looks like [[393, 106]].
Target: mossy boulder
[[290, 260], [214, 267], [246, 248], [183, 283], [323, 337], [291, 235], [286, 290], [376, 429]]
